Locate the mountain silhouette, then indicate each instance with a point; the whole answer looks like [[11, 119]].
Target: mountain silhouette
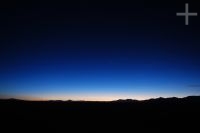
[[124, 114]]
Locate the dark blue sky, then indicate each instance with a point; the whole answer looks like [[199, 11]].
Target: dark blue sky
[[98, 50]]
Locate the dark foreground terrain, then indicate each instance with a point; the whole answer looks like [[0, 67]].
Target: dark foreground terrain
[[123, 115]]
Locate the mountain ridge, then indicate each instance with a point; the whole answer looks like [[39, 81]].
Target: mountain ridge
[[118, 100]]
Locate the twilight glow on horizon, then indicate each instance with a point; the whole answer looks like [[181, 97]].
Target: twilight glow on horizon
[[96, 74]]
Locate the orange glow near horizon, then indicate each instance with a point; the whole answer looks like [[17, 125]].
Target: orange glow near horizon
[[105, 97]]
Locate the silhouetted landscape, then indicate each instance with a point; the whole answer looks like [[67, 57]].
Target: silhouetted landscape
[[154, 114]]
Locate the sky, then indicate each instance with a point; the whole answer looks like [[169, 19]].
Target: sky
[[98, 50]]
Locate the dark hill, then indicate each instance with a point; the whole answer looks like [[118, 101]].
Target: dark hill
[[160, 114]]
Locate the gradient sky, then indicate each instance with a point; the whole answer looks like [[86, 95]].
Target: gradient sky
[[86, 50]]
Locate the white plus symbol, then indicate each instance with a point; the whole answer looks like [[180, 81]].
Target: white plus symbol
[[187, 14]]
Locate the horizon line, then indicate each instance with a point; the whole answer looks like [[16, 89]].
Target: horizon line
[[95, 100]]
